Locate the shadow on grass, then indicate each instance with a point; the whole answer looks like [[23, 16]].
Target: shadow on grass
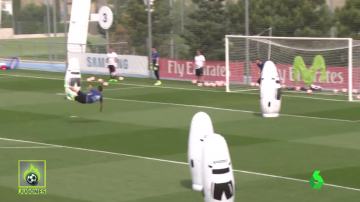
[[75, 120], [257, 114], [186, 183]]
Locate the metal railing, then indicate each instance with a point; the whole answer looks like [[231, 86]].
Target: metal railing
[[49, 49]]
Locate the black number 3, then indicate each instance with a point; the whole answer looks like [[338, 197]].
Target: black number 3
[[105, 18]]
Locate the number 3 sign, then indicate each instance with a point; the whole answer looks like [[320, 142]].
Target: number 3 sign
[[105, 17]]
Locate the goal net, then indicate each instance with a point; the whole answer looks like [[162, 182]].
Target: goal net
[[326, 64]]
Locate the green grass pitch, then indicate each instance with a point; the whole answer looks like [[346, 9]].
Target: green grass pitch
[[136, 149]]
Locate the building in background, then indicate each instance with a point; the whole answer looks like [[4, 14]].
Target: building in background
[[6, 6], [36, 2], [334, 4]]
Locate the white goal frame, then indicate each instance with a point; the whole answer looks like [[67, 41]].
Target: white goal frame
[[350, 56]]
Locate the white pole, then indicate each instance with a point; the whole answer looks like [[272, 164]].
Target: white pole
[[48, 18], [289, 37], [172, 51], [182, 16], [107, 40], [54, 18], [269, 48], [350, 69], [149, 31], [48, 29], [172, 46], [0, 13], [227, 67], [65, 28], [247, 45]]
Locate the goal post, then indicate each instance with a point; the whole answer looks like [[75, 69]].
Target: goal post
[[329, 64], [350, 70], [227, 65]]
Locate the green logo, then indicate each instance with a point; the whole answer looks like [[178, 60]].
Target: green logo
[[308, 74], [32, 177], [316, 182]]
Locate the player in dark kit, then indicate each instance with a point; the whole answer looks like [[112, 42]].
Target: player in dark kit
[[155, 58], [260, 64], [94, 95]]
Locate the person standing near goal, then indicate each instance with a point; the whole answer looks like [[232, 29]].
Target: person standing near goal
[[260, 64], [112, 61], [199, 66], [155, 59]]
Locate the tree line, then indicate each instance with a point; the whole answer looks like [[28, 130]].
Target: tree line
[[180, 27], [201, 24]]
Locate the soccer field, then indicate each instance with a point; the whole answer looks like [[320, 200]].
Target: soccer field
[[136, 149]]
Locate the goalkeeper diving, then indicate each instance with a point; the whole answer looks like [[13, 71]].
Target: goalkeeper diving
[[94, 95]]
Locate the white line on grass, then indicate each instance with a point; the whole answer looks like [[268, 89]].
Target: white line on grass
[[245, 91], [178, 88], [307, 97], [30, 147], [226, 109], [170, 161], [173, 88], [314, 98], [127, 88], [317, 92], [34, 77], [125, 84], [188, 89], [223, 109], [207, 107]]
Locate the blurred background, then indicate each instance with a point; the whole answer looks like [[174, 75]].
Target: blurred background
[[178, 27]]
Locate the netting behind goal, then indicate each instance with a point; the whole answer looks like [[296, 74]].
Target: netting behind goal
[[330, 63]]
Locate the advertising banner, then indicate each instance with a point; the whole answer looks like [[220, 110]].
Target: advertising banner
[[331, 77], [128, 65]]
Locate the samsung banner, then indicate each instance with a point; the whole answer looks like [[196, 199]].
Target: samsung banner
[[129, 65]]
